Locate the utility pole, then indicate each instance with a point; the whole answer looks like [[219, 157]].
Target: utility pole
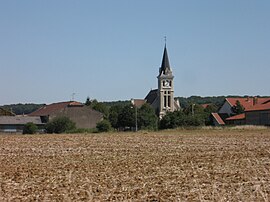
[[192, 109], [136, 114], [136, 119]]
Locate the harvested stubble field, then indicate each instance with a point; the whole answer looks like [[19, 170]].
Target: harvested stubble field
[[180, 165]]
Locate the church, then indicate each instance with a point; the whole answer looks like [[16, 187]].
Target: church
[[162, 99]]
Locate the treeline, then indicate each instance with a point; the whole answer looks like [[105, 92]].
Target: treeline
[[125, 116], [215, 100], [20, 109]]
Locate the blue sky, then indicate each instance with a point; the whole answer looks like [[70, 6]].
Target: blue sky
[[112, 50]]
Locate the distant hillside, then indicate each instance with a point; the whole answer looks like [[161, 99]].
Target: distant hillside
[[20, 109]]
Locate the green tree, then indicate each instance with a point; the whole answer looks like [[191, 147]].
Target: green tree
[[99, 106], [193, 109], [211, 108], [172, 120], [238, 108], [196, 120], [114, 115], [60, 125], [104, 126], [88, 101], [147, 118], [30, 128], [126, 117], [179, 119]]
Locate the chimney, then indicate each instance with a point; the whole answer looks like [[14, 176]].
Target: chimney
[[255, 101]]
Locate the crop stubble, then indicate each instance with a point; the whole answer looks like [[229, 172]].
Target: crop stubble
[[183, 165]]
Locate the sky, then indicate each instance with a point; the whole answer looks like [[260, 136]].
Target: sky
[[112, 50]]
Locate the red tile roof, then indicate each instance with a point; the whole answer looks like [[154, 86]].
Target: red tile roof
[[205, 105], [49, 109], [260, 107], [237, 117], [247, 102], [218, 118], [138, 102]]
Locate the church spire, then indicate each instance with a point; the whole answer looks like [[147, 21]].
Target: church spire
[[165, 65]]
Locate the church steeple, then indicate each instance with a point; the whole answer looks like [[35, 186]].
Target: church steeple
[[165, 65], [162, 99]]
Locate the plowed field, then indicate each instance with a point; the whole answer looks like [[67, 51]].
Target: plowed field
[[183, 165]]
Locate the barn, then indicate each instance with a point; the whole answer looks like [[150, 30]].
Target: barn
[[83, 116]]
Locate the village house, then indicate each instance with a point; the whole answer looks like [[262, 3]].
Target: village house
[[15, 124], [258, 115], [83, 116], [256, 112], [10, 123]]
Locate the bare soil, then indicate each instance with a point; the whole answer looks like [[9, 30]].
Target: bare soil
[[179, 165]]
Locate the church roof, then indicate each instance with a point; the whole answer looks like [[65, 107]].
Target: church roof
[[165, 65], [151, 96]]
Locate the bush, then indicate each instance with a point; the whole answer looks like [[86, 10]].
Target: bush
[[104, 126], [179, 119], [30, 128], [60, 125]]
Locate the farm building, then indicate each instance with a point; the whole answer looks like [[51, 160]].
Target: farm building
[[258, 115], [83, 116], [238, 119], [15, 124], [256, 111]]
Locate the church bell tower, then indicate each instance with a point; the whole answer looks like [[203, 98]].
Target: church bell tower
[[165, 86]]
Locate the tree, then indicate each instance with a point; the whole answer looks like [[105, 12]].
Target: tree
[[98, 106], [193, 109], [88, 101], [101, 108], [114, 115], [30, 128], [147, 118], [211, 108], [104, 126], [179, 119], [60, 125], [238, 108], [126, 117], [172, 120]]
